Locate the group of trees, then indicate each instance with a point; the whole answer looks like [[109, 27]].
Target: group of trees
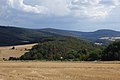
[[81, 55], [70, 49], [72, 55], [112, 52]]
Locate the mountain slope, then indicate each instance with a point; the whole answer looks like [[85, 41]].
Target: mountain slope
[[15, 35], [94, 36]]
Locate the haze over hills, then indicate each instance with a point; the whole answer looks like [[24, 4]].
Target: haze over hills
[[15, 35]]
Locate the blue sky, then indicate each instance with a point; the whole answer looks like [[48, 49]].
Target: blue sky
[[80, 15]]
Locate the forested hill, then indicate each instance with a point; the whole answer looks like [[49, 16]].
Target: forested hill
[[53, 48], [73, 49], [15, 35], [92, 36]]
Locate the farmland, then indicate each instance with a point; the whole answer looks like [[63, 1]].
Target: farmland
[[42, 70], [6, 52]]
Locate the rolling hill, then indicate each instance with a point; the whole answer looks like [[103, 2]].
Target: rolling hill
[[93, 36], [52, 48], [15, 36]]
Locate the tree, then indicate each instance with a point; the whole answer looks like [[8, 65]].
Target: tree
[[71, 54]]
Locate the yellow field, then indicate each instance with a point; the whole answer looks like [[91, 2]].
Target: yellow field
[[40, 70], [59, 70], [6, 52]]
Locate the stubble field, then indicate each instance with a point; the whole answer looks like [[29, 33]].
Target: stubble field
[[41, 70], [6, 52]]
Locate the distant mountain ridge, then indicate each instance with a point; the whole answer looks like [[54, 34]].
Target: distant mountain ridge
[[86, 35], [15, 35]]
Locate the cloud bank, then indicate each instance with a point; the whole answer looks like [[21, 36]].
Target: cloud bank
[[60, 13], [93, 8], [79, 8]]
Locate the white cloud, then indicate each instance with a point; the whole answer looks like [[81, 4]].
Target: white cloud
[[75, 8], [93, 8], [116, 2], [19, 4], [60, 13], [57, 7]]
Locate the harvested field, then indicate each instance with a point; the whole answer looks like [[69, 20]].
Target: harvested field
[[6, 52], [35, 70]]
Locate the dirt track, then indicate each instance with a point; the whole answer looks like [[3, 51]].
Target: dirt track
[[59, 71]]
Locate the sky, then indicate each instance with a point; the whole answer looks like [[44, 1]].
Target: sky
[[79, 15]]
